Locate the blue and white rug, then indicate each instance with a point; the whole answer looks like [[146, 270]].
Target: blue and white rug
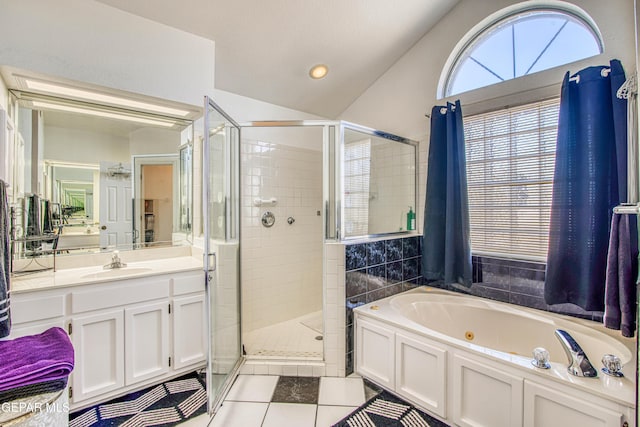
[[387, 410], [163, 405]]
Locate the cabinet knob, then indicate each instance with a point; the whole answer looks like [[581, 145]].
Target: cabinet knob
[[104, 227]]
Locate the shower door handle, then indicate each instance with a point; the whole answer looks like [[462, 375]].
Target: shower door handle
[[210, 261]]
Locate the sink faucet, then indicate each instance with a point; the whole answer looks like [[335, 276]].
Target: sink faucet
[[116, 262], [579, 364]]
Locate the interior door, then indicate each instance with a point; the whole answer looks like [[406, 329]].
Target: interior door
[[220, 172], [116, 206]]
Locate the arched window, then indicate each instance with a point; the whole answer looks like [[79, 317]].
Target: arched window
[[520, 40]]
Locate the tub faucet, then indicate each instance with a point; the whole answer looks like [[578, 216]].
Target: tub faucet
[[116, 262], [579, 364]]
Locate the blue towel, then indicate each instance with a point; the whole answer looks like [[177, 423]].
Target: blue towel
[[5, 263], [622, 271]]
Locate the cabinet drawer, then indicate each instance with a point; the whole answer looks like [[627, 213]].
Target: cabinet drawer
[[18, 331], [188, 283], [31, 309], [120, 293]]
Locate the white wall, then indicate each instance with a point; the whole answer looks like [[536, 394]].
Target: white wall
[[154, 141], [81, 146], [399, 99], [243, 109], [90, 42]]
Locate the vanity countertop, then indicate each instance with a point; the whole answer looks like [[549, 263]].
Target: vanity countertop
[[96, 274]]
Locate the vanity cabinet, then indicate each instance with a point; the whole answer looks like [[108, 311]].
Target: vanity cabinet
[[35, 313], [146, 340], [98, 341], [189, 331], [127, 334]]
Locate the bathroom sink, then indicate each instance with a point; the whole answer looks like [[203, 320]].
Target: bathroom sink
[[117, 272]]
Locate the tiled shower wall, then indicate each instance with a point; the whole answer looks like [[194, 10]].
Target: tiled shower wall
[[392, 185], [376, 270], [282, 265]]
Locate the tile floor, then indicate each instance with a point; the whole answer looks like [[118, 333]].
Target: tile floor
[[274, 401]]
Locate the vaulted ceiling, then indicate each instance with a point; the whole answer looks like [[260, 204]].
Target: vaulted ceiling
[[264, 49]]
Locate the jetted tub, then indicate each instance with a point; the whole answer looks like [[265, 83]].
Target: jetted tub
[[462, 358]]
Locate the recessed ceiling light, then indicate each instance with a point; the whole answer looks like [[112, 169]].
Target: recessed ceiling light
[[106, 114], [318, 71], [100, 97]]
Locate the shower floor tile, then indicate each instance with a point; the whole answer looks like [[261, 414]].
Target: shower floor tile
[[295, 339]]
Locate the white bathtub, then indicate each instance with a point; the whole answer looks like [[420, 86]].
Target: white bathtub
[[447, 353]]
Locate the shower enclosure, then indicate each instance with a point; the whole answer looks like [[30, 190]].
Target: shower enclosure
[[274, 194]]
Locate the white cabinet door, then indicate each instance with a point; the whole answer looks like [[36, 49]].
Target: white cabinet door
[[146, 341], [421, 371], [189, 331], [484, 396], [98, 340], [544, 407], [375, 351]]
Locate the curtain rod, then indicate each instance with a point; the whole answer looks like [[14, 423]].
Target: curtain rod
[[443, 110], [604, 73], [627, 208]]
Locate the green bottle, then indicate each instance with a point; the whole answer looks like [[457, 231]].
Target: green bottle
[[411, 219]]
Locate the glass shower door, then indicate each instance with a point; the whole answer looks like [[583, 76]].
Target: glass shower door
[[221, 152]]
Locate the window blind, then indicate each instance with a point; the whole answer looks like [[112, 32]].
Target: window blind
[[357, 165], [510, 164]]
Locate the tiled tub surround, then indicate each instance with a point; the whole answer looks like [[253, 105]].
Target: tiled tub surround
[[375, 270], [282, 265], [520, 283]]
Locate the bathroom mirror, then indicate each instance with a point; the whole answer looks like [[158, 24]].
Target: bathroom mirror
[[70, 187], [83, 165], [379, 173]]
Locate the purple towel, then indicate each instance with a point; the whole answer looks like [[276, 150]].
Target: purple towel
[[36, 358], [622, 270]]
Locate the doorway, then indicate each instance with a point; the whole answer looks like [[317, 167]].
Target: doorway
[[155, 199]]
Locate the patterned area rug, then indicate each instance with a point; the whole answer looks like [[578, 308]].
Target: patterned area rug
[[387, 410], [166, 404]]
